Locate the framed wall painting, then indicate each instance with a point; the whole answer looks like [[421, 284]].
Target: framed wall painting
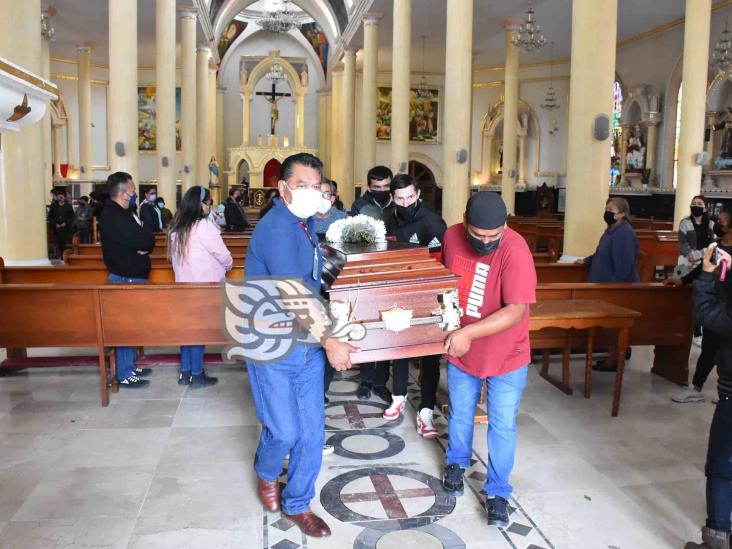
[[146, 124], [424, 115]]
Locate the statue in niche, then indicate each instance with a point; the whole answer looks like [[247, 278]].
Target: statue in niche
[[304, 78], [243, 73], [213, 173], [724, 160], [636, 150]]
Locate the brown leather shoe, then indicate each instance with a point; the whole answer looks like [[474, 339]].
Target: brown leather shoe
[[311, 524], [269, 494]]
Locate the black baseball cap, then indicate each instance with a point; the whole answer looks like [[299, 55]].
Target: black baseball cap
[[486, 210]]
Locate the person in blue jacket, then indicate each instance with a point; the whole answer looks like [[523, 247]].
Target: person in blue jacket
[[616, 255]]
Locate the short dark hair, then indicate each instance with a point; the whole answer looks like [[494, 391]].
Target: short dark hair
[[232, 190], [378, 173], [621, 203], [116, 181], [302, 159], [329, 182], [153, 188], [700, 197], [402, 181], [85, 198]]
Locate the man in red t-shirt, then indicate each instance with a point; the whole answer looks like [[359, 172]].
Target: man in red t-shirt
[[497, 285]]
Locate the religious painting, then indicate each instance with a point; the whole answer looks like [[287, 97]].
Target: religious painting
[[317, 39], [232, 32], [146, 123], [424, 115]]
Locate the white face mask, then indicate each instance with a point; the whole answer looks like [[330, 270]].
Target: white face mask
[[305, 202], [324, 206]]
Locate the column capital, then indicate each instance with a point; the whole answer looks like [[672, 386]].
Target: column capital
[[220, 89], [324, 92], [349, 51], [372, 18], [203, 48], [84, 48], [188, 13]]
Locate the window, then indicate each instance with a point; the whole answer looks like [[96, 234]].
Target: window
[[676, 137], [617, 131]]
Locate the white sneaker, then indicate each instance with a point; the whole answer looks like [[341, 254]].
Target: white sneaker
[[688, 395], [697, 341], [328, 449], [396, 408], [425, 427]]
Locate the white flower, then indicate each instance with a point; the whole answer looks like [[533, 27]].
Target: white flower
[[359, 228]]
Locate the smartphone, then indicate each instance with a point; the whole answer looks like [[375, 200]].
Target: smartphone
[[715, 256]]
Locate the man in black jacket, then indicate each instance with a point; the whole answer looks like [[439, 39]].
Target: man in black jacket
[[150, 213], [413, 221], [126, 247], [377, 199], [716, 314], [236, 220], [61, 219]]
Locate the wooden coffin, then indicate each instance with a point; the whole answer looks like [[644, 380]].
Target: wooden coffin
[[395, 278]]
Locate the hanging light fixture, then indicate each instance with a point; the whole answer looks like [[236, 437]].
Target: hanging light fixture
[[722, 54], [275, 73], [550, 101], [529, 37], [283, 18], [47, 31], [423, 91]]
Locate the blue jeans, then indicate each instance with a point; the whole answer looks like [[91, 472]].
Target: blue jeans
[[191, 359], [719, 467], [288, 399], [124, 356], [503, 398]]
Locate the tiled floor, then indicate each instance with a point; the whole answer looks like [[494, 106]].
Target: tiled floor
[[168, 467]]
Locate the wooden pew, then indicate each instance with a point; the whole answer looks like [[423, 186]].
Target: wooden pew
[[237, 246], [97, 260]]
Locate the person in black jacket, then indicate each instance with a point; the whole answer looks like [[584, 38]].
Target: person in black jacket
[[713, 308], [126, 247], [61, 220], [150, 213], [413, 221], [377, 198], [233, 212]]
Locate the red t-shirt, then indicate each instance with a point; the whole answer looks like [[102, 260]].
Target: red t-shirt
[[488, 283]]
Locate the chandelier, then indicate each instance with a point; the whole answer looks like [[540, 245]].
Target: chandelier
[[423, 90], [47, 31], [275, 73], [722, 54], [550, 101], [283, 18], [529, 37]]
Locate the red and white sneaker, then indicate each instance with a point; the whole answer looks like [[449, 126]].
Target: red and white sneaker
[[425, 427], [396, 408]]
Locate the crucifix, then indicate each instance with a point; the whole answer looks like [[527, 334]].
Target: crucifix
[[273, 97]]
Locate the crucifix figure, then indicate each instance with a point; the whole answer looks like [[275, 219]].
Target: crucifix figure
[[273, 97]]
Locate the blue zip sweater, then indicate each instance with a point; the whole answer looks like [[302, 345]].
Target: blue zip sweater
[[616, 255]]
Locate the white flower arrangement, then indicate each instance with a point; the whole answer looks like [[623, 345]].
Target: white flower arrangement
[[359, 229]]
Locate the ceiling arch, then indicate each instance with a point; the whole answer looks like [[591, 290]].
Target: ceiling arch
[[320, 10]]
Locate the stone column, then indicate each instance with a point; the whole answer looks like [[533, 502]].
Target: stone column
[[22, 194], [651, 142], [57, 152], [85, 119], [458, 109], [368, 95], [346, 188], [220, 145], [624, 150], [323, 125], [300, 119], [123, 85], [46, 120], [246, 101], [400, 84], [693, 106], [212, 69], [485, 171], [202, 147], [510, 119], [594, 30], [188, 131], [337, 135], [165, 21], [522, 161], [709, 146]]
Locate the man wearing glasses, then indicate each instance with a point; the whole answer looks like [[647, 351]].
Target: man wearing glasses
[[288, 393], [327, 212]]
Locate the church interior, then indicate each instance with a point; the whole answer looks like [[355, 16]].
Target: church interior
[[557, 105]]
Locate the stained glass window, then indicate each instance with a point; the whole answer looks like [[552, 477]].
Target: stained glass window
[[617, 130], [676, 137]]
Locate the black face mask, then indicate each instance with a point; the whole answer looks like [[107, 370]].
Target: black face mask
[[697, 211], [718, 230], [405, 213], [609, 217], [382, 197], [483, 248]]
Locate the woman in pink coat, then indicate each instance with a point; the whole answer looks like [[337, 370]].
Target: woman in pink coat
[[199, 255]]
